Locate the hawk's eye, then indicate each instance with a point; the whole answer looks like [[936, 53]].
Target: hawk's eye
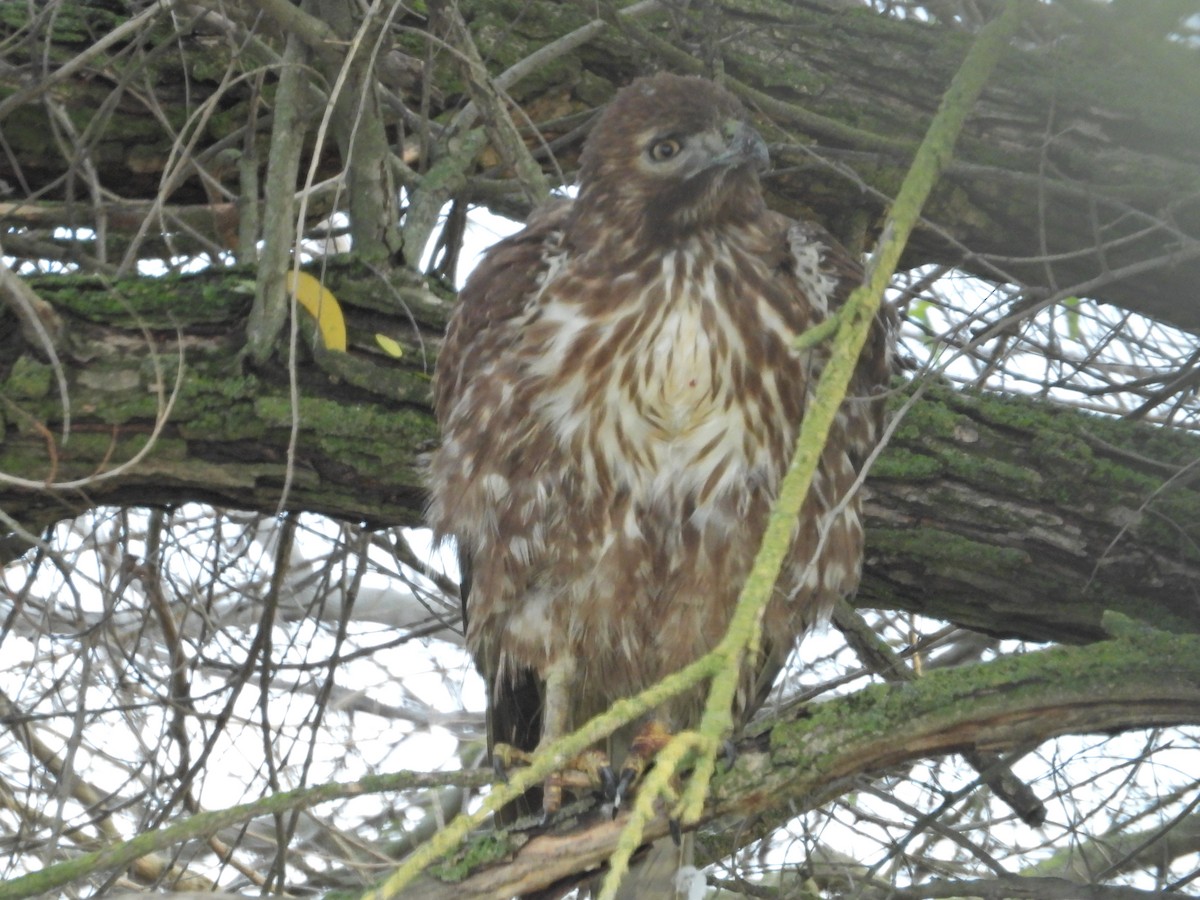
[[667, 148]]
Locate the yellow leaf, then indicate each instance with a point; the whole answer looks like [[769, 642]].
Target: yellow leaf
[[322, 306], [390, 347]]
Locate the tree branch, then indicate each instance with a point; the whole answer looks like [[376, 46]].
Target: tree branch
[[1018, 887], [1147, 679]]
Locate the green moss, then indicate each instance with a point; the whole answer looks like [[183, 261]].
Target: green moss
[[213, 406], [926, 418], [24, 126], [950, 696], [72, 25], [767, 73], [942, 548], [237, 424], [29, 380], [1056, 449], [354, 435], [119, 407], [479, 851], [904, 465], [211, 66], [14, 15], [210, 297], [209, 405], [1002, 476], [954, 439], [227, 120], [118, 446], [1119, 477]]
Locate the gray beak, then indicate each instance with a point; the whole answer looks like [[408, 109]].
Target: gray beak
[[744, 146]]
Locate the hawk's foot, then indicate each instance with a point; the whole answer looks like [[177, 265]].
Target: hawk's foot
[[653, 736], [581, 774], [504, 757]]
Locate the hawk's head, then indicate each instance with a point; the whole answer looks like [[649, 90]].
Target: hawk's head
[[670, 155]]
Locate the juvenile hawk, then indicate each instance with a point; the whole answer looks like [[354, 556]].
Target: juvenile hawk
[[619, 400]]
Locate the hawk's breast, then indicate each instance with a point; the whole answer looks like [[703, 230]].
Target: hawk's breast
[[655, 388], [683, 375]]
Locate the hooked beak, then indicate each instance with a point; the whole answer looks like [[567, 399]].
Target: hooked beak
[[743, 147]]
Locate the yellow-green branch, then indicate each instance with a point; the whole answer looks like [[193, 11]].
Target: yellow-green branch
[[205, 824], [854, 324]]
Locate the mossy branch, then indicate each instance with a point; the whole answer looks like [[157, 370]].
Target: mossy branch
[[1143, 679], [546, 761], [205, 824]]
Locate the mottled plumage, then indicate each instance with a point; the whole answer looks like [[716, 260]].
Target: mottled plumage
[[619, 400]]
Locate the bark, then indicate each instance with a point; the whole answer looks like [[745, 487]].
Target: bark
[[1076, 176], [1025, 520], [1005, 515], [363, 417]]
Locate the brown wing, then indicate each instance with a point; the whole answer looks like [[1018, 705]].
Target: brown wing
[[495, 302], [819, 274], [876, 364], [497, 292]]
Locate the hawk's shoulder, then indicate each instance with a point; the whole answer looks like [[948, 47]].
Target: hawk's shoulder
[[819, 266], [497, 293], [819, 262]]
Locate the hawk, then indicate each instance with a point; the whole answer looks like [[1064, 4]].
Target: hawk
[[619, 399]]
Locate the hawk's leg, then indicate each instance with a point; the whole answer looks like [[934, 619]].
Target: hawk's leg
[[583, 772], [556, 711]]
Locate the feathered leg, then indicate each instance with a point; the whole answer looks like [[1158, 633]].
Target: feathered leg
[[583, 773]]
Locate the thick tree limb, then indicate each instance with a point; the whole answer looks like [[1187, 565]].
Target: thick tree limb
[[1002, 514], [1148, 678], [1076, 172]]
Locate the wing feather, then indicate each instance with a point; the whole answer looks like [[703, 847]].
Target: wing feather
[[498, 291], [494, 304]]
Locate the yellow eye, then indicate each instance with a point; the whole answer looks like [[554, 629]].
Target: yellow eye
[[661, 151]]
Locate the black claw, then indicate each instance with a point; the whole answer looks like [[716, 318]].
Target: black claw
[[499, 769], [608, 783], [730, 752], [620, 790], [628, 777], [676, 832]]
